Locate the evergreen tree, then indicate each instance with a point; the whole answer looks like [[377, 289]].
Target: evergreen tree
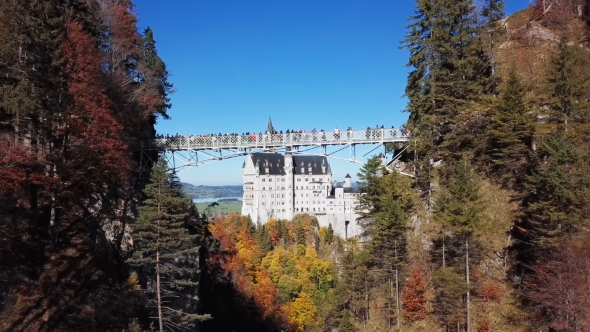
[[460, 207], [154, 87], [388, 242], [566, 88], [369, 184], [163, 247], [329, 234], [511, 133], [552, 205], [301, 238], [492, 12], [445, 84]]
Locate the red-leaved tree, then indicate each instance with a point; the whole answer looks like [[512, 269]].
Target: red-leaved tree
[[560, 290], [414, 294], [93, 135]]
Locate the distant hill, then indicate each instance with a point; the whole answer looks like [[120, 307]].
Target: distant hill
[[211, 191]]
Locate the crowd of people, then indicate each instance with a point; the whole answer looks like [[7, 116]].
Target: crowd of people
[[294, 135]]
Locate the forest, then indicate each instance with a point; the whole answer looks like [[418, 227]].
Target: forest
[[491, 233]]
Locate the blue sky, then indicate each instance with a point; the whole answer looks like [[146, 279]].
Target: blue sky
[[311, 64]]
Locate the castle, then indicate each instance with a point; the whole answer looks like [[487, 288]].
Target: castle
[[281, 186]]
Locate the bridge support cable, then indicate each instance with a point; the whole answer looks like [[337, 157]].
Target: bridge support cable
[[373, 149]]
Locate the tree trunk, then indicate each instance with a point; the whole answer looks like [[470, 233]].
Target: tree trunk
[[366, 300], [160, 321], [389, 304], [158, 293], [397, 306], [444, 263], [468, 305], [399, 317]]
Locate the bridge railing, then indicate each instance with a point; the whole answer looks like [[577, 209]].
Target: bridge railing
[[214, 142]]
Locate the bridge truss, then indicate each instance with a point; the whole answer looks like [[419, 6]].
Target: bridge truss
[[198, 150]]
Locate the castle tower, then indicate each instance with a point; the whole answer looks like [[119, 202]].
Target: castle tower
[[290, 182], [347, 181]]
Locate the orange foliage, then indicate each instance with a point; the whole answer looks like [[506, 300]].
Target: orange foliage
[[414, 294], [265, 294], [489, 291], [13, 157], [484, 325], [17, 167], [273, 231], [241, 256], [92, 126]]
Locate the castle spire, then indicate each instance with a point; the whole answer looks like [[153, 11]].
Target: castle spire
[[269, 128]]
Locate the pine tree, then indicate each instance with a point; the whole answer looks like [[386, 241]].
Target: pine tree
[[164, 248], [152, 78], [329, 234], [511, 133], [552, 205], [369, 185], [566, 88], [492, 12], [445, 85], [460, 207]]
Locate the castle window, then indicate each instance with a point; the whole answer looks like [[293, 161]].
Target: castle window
[[306, 179], [263, 188], [313, 209], [324, 209], [299, 179], [270, 180], [263, 179], [263, 203]]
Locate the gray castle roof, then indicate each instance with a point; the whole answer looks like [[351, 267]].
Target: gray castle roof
[[276, 164], [269, 126]]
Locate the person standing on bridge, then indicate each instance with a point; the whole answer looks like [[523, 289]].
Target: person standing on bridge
[[336, 133]]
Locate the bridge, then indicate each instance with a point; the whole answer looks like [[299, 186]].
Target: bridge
[[195, 150]]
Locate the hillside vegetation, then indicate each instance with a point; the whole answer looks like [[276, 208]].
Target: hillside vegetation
[[493, 232]]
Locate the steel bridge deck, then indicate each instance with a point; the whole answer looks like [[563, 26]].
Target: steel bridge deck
[[271, 141]]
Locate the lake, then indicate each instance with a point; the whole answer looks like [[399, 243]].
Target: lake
[[211, 200]]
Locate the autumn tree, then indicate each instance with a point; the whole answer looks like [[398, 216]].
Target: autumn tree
[[559, 290], [164, 249], [414, 294]]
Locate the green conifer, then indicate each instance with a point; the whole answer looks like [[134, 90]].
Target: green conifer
[[164, 248], [511, 133], [461, 208], [566, 89]]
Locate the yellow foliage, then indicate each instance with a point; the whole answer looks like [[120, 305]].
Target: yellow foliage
[[133, 281], [301, 312]]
